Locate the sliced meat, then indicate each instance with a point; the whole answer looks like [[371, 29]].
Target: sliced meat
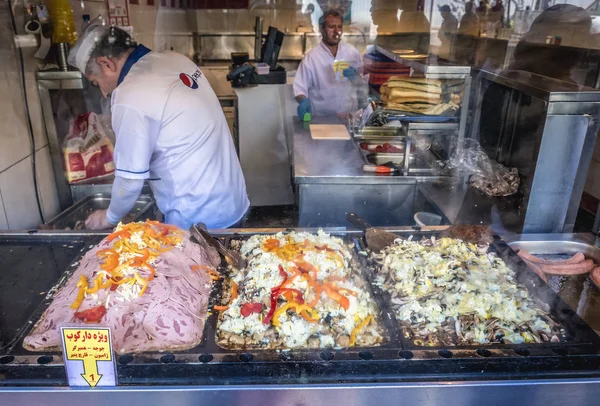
[[168, 316]]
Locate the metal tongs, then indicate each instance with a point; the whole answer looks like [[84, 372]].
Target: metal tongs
[[233, 258]]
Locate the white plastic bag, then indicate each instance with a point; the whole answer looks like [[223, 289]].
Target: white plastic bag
[[87, 150], [487, 175]]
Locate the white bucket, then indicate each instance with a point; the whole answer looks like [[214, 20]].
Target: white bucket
[[422, 218]]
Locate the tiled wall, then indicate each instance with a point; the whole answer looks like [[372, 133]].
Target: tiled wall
[[18, 209]]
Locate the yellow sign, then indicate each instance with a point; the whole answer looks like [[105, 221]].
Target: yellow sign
[[87, 347]]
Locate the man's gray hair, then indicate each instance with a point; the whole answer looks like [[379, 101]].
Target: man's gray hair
[[113, 44], [331, 12]]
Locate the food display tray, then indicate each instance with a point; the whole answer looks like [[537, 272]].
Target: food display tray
[[394, 361], [343, 353], [77, 213], [578, 335]]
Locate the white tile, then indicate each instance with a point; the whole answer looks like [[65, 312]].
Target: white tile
[[3, 221], [35, 112], [47, 184], [16, 184], [14, 141], [592, 184]]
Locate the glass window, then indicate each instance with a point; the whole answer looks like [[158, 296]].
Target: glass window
[[299, 192]]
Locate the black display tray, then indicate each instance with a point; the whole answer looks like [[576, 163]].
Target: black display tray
[[578, 336], [397, 360], [30, 266]]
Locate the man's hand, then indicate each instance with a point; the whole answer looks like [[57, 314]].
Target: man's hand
[[350, 73], [303, 108], [97, 221]]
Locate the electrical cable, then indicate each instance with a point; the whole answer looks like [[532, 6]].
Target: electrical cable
[[27, 115]]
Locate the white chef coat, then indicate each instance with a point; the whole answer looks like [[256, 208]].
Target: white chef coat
[[315, 79], [170, 129]]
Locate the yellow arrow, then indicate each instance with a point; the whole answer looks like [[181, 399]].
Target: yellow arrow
[[90, 372]]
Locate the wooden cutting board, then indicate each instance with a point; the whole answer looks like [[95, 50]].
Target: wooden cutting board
[[329, 132]]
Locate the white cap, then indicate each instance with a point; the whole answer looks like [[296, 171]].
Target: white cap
[[91, 35]]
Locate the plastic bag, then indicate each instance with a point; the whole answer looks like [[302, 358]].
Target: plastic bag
[[487, 175], [87, 150]]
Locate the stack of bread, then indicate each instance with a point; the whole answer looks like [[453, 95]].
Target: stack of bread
[[417, 95]]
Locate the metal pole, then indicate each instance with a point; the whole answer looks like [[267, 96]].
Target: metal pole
[[258, 32]]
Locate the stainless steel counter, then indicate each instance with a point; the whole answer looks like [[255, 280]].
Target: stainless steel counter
[[339, 162], [330, 183], [539, 392]]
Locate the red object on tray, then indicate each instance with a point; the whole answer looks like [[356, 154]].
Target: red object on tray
[[380, 68]]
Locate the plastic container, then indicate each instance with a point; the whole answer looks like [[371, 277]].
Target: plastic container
[[63, 22], [262, 68], [423, 219]]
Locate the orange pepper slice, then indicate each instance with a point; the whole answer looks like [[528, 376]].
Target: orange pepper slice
[[335, 295], [118, 234], [270, 244], [199, 267], [234, 290]]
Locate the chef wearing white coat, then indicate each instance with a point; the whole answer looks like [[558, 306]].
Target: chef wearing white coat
[[170, 131], [317, 88]]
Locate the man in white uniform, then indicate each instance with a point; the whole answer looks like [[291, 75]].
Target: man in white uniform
[[316, 88], [170, 130]]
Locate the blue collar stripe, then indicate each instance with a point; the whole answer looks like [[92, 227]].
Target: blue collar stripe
[[138, 53]]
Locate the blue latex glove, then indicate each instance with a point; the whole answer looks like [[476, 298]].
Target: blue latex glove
[[350, 73], [303, 108]]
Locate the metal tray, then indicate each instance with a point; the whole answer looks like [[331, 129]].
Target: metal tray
[[207, 364], [72, 217], [373, 131], [580, 336], [420, 162], [578, 291], [397, 144]]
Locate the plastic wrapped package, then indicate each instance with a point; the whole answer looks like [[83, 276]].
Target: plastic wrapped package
[[88, 149], [487, 175]]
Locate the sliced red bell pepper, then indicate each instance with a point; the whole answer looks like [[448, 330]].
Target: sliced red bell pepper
[[274, 294], [250, 308], [92, 315], [115, 285], [283, 274]]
